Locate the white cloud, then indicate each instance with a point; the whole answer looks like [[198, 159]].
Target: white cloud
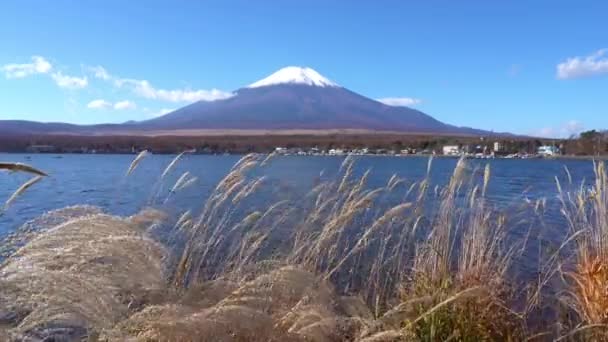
[[39, 65], [577, 67], [103, 104], [121, 105], [400, 101], [99, 104], [566, 130], [144, 89], [70, 82], [100, 72]]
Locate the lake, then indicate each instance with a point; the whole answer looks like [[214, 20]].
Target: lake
[[100, 180]]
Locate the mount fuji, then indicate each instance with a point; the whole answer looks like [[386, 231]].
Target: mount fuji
[[300, 98], [293, 98]]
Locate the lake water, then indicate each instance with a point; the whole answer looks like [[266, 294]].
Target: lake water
[[100, 180]]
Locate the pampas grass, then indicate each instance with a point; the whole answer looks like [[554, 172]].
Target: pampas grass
[[21, 190], [184, 181], [20, 167], [586, 212], [80, 277], [136, 161], [173, 162], [343, 262]]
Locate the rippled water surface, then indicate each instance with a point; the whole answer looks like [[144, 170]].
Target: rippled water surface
[[100, 180]]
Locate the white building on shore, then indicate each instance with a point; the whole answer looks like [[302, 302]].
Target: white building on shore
[[451, 150], [547, 150]]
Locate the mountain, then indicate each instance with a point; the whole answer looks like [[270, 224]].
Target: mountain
[[293, 98], [300, 98], [23, 127]]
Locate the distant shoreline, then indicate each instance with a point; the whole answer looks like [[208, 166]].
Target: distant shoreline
[[263, 143], [560, 157]]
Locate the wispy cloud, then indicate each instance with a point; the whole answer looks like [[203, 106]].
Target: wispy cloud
[[566, 130], [104, 104], [100, 72], [145, 89], [400, 101], [39, 65], [121, 105], [99, 104], [69, 82], [578, 67]]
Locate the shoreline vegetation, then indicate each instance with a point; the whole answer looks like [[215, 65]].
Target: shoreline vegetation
[[586, 145], [401, 262]]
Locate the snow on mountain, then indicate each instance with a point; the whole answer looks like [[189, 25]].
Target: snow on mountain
[[295, 75]]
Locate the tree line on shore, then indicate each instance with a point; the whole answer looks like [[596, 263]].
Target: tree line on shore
[[590, 143]]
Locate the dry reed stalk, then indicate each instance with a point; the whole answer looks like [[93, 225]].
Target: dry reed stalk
[[394, 182], [268, 158], [367, 235], [136, 161], [183, 217], [337, 222], [184, 181], [187, 183], [21, 190], [249, 189], [173, 162], [180, 181], [486, 179], [20, 167], [464, 294], [347, 174]]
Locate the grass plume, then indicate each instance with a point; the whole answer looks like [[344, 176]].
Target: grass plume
[[21, 190], [20, 167], [140, 156]]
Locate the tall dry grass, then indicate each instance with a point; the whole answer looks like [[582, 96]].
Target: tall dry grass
[[358, 240], [462, 270], [586, 295], [407, 261], [79, 277]]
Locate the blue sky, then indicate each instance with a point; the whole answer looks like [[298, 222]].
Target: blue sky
[[534, 67]]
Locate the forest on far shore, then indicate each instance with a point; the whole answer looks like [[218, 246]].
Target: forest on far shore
[[590, 143]]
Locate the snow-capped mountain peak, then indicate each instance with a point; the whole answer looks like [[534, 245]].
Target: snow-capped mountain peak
[[295, 75]]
